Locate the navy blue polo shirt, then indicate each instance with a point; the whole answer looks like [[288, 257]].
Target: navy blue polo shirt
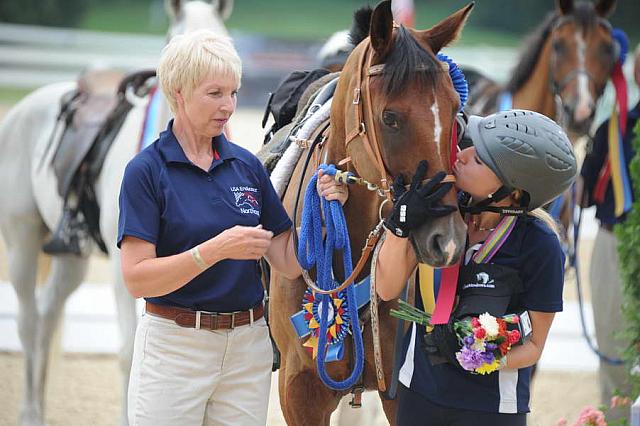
[[168, 201], [594, 160], [534, 251]]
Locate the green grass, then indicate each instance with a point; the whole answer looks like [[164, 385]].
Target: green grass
[[133, 17], [307, 20], [11, 95]]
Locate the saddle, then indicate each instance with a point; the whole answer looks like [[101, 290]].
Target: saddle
[[95, 109], [277, 143], [92, 116]]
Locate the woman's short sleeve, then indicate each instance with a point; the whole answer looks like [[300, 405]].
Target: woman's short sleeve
[[139, 204]]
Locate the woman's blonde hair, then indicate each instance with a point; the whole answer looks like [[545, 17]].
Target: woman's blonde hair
[[191, 57], [539, 213]]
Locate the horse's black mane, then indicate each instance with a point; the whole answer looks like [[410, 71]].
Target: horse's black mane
[[407, 60], [584, 16]]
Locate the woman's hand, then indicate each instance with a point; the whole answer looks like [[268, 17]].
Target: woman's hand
[[239, 242], [330, 189], [413, 207]]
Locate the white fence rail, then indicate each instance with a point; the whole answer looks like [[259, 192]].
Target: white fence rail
[[32, 56]]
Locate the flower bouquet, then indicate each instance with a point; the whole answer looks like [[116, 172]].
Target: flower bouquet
[[484, 340]]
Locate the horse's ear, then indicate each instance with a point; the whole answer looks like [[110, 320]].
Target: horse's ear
[[381, 28], [604, 8], [448, 30], [225, 7], [565, 6], [173, 9]]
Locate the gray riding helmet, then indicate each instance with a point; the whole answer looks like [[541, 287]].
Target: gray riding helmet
[[527, 151]]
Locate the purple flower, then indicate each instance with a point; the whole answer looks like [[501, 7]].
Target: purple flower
[[490, 346], [488, 357], [469, 359], [468, 341]]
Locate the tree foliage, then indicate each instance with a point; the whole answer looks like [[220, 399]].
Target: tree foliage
[[60, 13], [628, 234]]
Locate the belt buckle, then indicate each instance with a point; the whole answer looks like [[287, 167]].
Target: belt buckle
[[214, 320]]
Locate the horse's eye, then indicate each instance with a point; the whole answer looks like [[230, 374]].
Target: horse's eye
[[559, 46], [390, 119], [607, 51]]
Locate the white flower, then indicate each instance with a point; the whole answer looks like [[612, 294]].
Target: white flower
[[489, 324]]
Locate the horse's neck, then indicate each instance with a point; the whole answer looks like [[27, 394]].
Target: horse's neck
[[535, 94]]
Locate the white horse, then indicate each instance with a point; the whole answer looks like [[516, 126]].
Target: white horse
[[30, 207]]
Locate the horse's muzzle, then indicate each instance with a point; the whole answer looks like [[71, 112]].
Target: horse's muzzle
[[440, 242]]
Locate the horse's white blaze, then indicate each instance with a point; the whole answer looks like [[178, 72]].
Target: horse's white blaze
[[437, 126], [449, 250], [584, 102]]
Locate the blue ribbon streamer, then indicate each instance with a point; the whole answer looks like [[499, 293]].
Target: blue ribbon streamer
[[457, 77]]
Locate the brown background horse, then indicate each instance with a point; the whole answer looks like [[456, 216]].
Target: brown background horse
[[413, 105], [563, 70]]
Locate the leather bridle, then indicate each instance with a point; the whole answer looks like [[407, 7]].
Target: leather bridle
[[365, 128]]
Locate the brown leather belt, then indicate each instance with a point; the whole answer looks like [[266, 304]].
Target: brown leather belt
[[206, 320]]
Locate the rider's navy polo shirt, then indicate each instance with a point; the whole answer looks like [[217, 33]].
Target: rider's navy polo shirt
[[172, 203], [533, 250], [593, 161]]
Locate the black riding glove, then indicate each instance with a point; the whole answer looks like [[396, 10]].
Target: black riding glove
[[413, 207], [441, 344]]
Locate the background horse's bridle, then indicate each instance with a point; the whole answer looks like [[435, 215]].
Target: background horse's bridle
[[558, 86]]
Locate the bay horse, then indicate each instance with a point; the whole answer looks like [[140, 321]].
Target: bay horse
[[408, 103], [562, 72], [563, 69], [30, 208]]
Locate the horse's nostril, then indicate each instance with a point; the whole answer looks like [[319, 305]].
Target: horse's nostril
[[436, 246], [568, 109]]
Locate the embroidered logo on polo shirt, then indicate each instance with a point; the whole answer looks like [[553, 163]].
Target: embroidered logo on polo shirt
[[246, 199], [482, 280]]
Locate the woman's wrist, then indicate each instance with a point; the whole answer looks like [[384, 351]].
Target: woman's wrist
[[210, 251]]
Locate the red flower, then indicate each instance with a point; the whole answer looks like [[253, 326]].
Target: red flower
[[504, 347], [502, 327], [479, 333], [475, 323], [514, 336]]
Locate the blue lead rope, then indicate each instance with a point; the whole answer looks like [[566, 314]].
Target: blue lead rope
[[314, 251]]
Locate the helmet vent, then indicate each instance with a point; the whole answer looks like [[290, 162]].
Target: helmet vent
[[557, 163], [521, 128], [559, 142], [517, 145]]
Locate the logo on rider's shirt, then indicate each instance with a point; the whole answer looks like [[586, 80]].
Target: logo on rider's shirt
[[482, 280], [246, 199]]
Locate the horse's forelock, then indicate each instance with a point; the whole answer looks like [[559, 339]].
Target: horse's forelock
[[408, 61], [585, 15]]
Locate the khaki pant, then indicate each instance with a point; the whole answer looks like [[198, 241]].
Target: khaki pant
[[606, 299], [183, 376]]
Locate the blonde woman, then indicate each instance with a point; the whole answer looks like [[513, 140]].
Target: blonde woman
[[196, 213], [520, 160]]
